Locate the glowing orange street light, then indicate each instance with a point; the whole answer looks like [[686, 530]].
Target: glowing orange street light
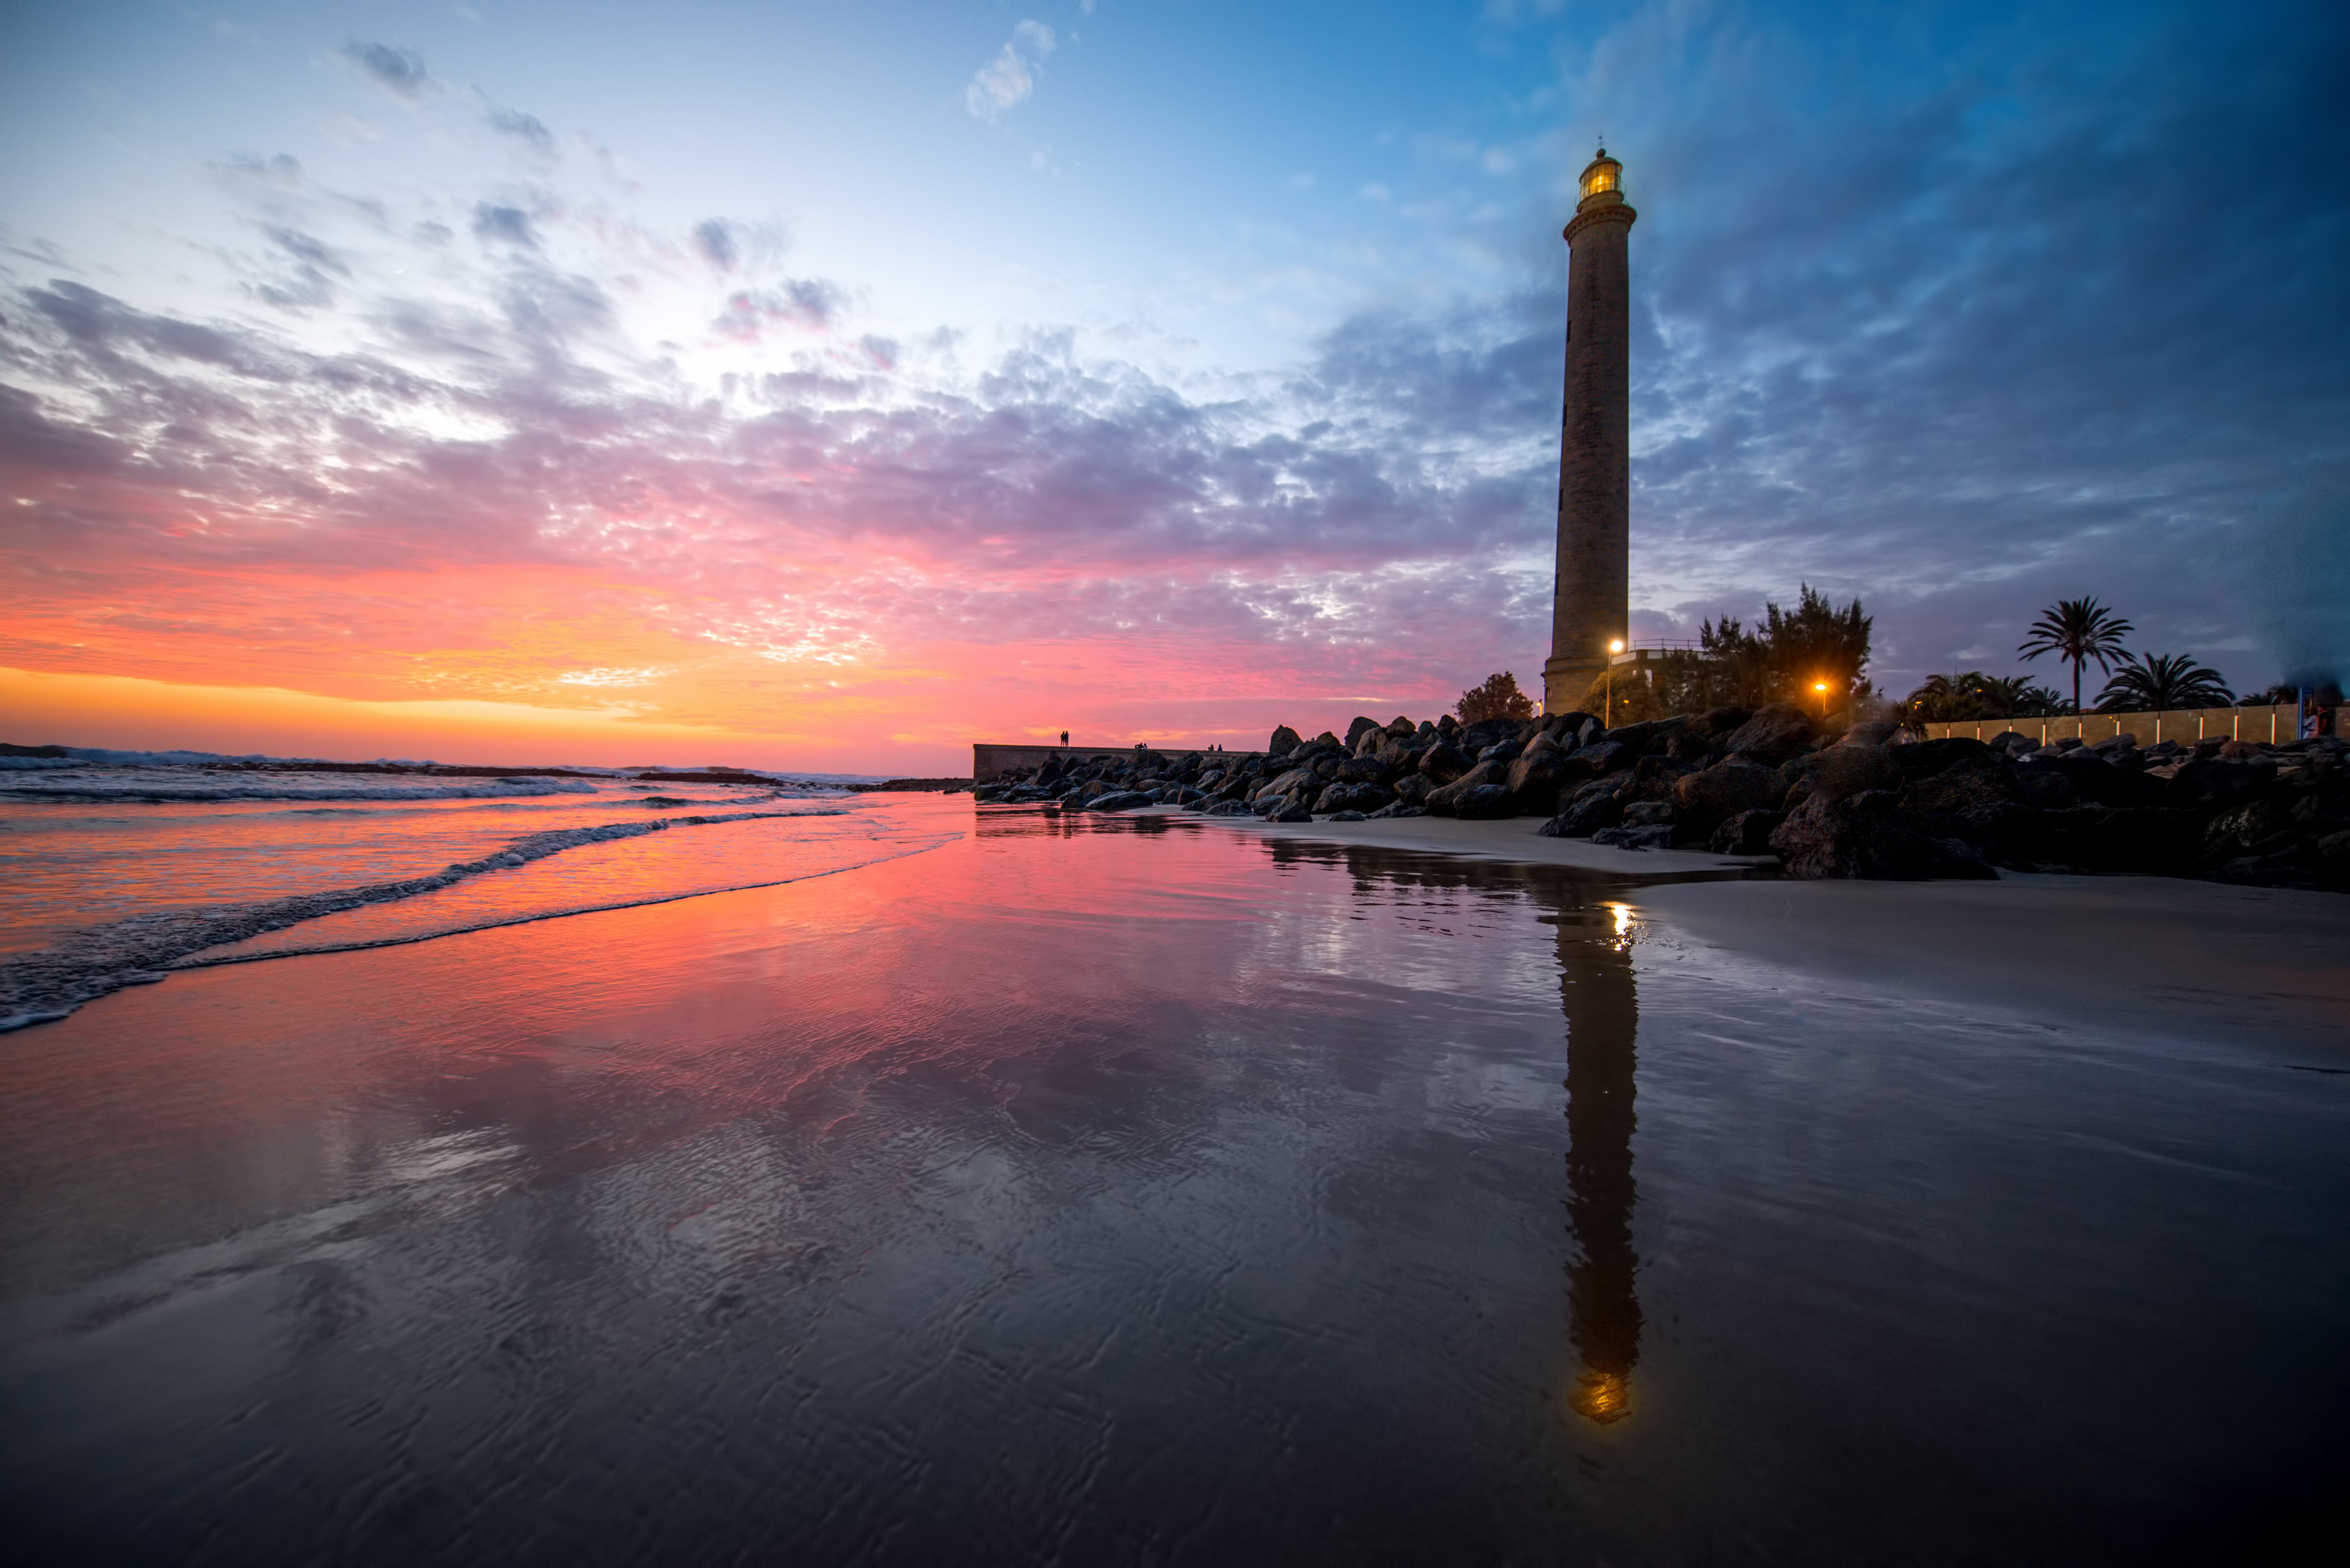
[[1608, 703], [1822, 688]]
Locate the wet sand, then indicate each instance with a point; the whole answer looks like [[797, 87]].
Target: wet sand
[[1132, 1190], [2152, 952]]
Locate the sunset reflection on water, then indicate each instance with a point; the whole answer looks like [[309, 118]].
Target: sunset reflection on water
[[1119, 1189]]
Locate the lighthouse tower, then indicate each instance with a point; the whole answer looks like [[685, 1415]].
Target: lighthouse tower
[[1591, 596]]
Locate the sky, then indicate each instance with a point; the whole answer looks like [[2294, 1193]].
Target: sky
[[830, 385]]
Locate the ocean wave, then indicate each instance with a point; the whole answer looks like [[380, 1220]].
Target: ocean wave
[[185, 786], [43, 986]]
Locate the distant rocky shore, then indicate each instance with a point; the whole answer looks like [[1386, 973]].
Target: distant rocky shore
[[1767, 782]]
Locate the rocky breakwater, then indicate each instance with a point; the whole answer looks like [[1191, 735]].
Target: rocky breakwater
[[1765, 782]]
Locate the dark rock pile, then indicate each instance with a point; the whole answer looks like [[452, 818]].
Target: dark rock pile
[[1763, 781]]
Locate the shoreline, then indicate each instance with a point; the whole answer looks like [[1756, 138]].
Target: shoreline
[[2166, 954]]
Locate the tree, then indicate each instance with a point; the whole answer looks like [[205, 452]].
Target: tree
[[1816, 643], [1499, 698], [2077, 631], [1971, 694], [2162, 683]]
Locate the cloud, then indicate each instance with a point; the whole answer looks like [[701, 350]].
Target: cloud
[[714, 241], [1010, 77], [509, 226], [398, 71], [809, 304], [527, 129]]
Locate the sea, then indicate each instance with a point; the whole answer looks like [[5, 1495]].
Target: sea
[[885, 1178]]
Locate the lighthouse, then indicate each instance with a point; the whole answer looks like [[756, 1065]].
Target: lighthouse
[[1591, 592]]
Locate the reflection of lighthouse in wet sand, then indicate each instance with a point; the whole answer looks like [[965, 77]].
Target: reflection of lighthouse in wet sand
[[1596, 991]]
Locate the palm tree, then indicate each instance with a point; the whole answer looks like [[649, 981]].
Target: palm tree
[[2162, 683], [2077, 630]]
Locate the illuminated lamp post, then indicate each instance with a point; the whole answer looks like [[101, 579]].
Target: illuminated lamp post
[[1608, 703], [1822, 688]]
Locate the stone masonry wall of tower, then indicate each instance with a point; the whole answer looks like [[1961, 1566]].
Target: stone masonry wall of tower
[[1595, 481]]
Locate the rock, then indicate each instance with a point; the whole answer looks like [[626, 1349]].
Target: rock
[[1354, 797], [1294, 811], [1401, 728], [2044, 788], [1712, 796], [1926, 758], [1776, 733], [1659, 837], [1487, 732], [1119, 800], [1485, 802], [1844, 769], [2219, 781], [1869, 836], [1651, 813], [2334, 859], [1654, 778], [1227, 809], [1591, 808], [1285, 740], [1361, 727], [1536, 779], [1955, 789], [1363, 770], [1442, 762], [1748, 832], [1599, 759], [1347, 816], [1413, 789], [1719, 724], [1693, 750], [1646, 737], [1501, 752], [1440, 801], [1400, 808], [2094, 779], [2250, 829], [1873, 733]]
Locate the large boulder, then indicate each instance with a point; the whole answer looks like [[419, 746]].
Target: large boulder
[[1444, 763], [1648, 736], [1712, 796], [1867, 836], [1413, 789], [1776, 733], [1361, 727], [1287, 783], [2094, 779], [1748, 832], [1589, 809], [1534, 780], [2219, 781], [1845, 770], [1926, 758], [1441, 801], [2050, 789], [1599, 759], [2255, 827], [1295, 811], [1362, 797], [1969, 783], [1873, 733], [1285, 740], [1485, 802], [1628, 837], [1363, 770], [1719, 724], [1120, 800]]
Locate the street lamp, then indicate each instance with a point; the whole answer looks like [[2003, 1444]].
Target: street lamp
[[1608, 703], [1822, 688]]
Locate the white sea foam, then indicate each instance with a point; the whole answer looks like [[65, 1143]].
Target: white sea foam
[[185, 784]]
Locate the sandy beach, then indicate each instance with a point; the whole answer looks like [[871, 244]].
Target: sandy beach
[[1146, 1187], [2155, 952]]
